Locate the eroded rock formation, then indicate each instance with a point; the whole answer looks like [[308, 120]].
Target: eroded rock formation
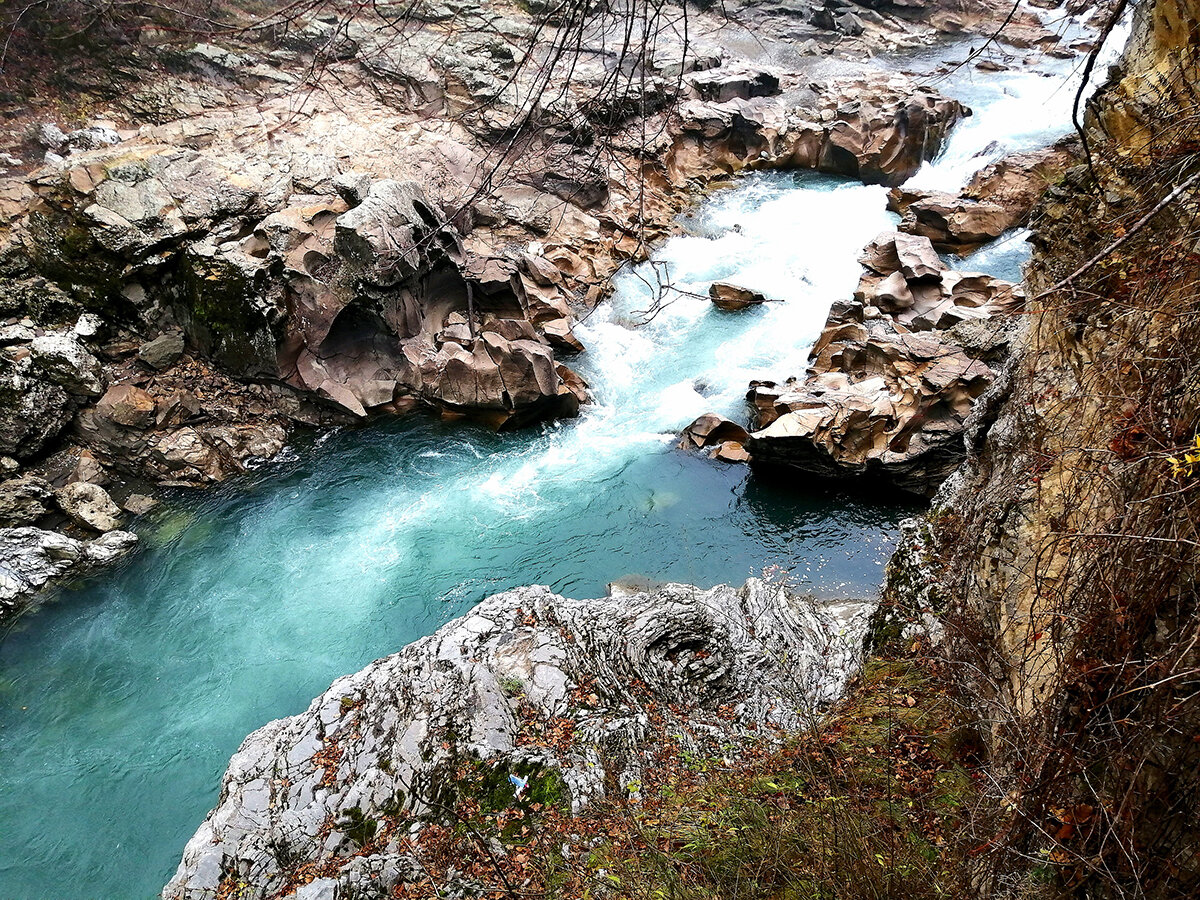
[[894, 375], [998, 197], [878, 129], [390, 745]]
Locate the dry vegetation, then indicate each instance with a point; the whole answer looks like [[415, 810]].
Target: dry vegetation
[[1071, 560], [869, 803]]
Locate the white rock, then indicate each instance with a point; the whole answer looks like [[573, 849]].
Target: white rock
[[89, 505]]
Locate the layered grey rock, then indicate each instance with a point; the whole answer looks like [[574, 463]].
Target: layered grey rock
[[32, 557], [735, 664]]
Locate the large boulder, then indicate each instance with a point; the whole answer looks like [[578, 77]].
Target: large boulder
[[89, 505], [395, 742], [907, 283], [1017, 182], [998, 197], [954, 223], [507, 382], [179, 438], [711, 430], [162, 352], [30, 558], [33, 409], [894, 409], [66, 362], [394, 233], [894, 374], [874, 128]]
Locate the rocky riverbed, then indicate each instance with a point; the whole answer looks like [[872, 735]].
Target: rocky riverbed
[[237, 255], [216, 266]]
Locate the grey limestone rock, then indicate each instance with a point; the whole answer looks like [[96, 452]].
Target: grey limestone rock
[[163, 351], [31, 557], [735, 664]]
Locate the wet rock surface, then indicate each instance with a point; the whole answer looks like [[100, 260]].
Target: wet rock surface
[[739, 665], [999, 197], [876, 128], [734, 298], [32, 557]]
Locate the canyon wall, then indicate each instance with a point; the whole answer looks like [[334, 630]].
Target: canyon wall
[[1061, 558]]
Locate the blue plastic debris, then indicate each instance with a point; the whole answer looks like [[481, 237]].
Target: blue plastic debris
[[520, 784]]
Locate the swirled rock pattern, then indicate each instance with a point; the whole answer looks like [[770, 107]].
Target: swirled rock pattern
[[386, 743]]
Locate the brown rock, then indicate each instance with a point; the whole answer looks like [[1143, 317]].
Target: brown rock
[[957, 223], [127, 405], [918, 259], [731, 297], [880, 255], [892, 408], [88, 468], [710, 430], [731, 452], [139, 504]]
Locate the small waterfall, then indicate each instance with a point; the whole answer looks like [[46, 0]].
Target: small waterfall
[[1024, 108]]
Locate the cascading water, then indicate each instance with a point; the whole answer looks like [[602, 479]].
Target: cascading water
[[1020, 109], [121, 703]]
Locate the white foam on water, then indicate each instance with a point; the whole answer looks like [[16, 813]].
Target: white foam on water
[[1023, 109]]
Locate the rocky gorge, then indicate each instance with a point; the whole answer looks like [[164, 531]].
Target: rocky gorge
[[213, 297], [207, 294]]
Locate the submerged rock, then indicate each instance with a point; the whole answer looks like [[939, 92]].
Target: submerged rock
[[732, 663]]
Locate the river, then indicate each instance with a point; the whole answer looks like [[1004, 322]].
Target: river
[[121, 702]]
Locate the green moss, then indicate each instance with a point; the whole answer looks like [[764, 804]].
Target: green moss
[[494, 791], [357, 826], [64, 250], [512, 686]]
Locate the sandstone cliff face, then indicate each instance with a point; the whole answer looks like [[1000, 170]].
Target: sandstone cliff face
[[1065, 547], [1159, 66]]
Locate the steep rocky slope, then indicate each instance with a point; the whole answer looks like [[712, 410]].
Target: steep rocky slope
[[1062, 556], [572, 698]]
